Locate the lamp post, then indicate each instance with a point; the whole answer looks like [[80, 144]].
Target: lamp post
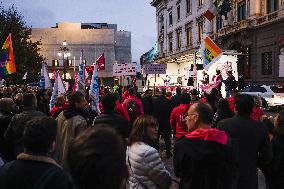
[[64, 52]]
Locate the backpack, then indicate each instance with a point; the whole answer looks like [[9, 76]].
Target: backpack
[[132, 109]]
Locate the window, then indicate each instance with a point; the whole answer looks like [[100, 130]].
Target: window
[[161, 23], [266, 61], [219, 22], [200, 31], [178, 12], [170, 18], [242, 11], [162, 47], [188, 6], [200, 2], [178, 38], [55, 63], [272, 5], [258, 89], [170, 42], [188, 30]]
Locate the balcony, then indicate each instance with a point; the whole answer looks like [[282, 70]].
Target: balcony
[[274, 16], [237, 26]]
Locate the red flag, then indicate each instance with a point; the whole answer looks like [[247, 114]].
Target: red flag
[[101, 62], [209, 15]]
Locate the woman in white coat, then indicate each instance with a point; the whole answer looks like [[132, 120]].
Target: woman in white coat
[[146, 168]]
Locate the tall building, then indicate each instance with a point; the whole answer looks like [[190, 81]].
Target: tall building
[[180, 30], [89, 39], [255, 29]]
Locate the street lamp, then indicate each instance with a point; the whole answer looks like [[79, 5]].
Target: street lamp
[[64, 52]]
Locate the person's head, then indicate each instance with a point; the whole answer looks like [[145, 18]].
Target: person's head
[[108, 103], [7, 105], [229, 72], [148, 92], [244, 104], [77, 100], [185, 98], [131, 91], [223, 106], [178, 90], [19, 97], [39, 135], [59, 100], [144, 126], [163, 91], [29, 100], [198, 115], [96, 159], [218, 72], [43, 95]]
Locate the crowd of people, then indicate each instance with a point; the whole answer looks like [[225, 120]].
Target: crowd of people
[[215, 142]]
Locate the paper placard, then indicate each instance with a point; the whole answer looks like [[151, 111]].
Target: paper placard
[[155, 68], [124, 69]]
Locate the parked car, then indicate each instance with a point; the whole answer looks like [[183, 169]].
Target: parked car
[[274, 95]]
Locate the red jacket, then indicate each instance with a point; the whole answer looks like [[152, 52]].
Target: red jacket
[[256, 114], [119, 109], [138, 102], [178, 121]]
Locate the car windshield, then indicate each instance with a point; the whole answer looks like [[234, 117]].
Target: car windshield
[[276, 89]]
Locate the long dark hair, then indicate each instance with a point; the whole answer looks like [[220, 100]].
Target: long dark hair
[[139, 130]]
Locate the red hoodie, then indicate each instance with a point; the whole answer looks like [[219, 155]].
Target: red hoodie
[[211, 134], [121, 110], [177, 120]]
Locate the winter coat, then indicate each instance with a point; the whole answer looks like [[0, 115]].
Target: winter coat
[[275, 171], [30, 171], [115, 121], [178, 120], [256, 114], [202, 160], [147, 105], [17, 125], [6, 147], [252, 143], [230, 83], [70, 123], [162, 112], [146, 167], [121, 110]]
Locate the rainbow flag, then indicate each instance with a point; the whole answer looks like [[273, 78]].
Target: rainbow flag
[[7, 62], [210, 52]]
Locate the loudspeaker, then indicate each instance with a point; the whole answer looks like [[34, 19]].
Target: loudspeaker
[[199, 66]]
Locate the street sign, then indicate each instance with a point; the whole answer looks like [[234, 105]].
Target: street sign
[[124, 69], [155, 68]]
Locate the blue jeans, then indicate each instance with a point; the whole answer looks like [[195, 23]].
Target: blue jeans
[[228, 94]]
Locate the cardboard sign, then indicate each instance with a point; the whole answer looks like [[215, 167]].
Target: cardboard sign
[[155, 68], [124, 69]]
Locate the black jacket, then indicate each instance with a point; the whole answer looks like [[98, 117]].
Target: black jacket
[[6, 148], [253, 147], [116, 122], [17, 125], [29, 174], [162, 111], [204, 164], [147, 105], [275, 171], [175, 101]]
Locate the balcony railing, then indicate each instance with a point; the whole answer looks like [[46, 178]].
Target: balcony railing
[[269, 17], [248, 23]]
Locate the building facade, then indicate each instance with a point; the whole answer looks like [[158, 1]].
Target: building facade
[[180, 30], [85, 43], [255, 28]]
